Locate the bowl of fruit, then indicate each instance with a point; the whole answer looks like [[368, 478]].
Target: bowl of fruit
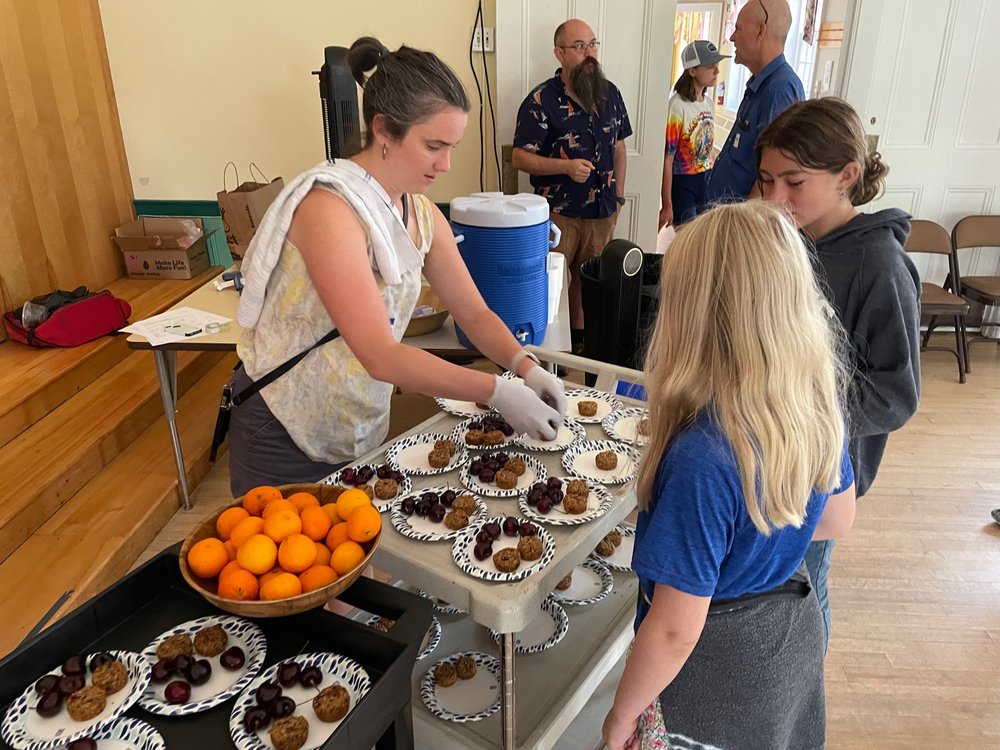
[[428, 316], [282, 550]]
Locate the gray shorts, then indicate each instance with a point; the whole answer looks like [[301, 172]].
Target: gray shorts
[[260, 449]]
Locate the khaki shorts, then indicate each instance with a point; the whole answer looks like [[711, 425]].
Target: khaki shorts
[[582, 239]]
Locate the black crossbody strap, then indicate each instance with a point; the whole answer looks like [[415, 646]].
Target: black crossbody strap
[[280, 370]]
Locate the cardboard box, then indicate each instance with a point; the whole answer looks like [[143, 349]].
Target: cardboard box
[[154, 248]]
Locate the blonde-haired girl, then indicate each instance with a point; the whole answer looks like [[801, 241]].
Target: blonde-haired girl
[[746, 465]]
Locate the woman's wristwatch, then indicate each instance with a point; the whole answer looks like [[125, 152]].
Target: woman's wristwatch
[[620, 200]]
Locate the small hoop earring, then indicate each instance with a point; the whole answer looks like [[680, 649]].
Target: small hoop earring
[[385, 150]]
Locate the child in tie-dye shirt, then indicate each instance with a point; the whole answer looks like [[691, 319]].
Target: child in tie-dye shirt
[[690, 135]]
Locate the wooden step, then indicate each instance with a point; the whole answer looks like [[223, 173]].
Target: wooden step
[[48, 463], [94, 538], [35, 381]]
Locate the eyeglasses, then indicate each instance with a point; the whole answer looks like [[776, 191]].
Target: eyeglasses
[[764, 8], [582, 46]]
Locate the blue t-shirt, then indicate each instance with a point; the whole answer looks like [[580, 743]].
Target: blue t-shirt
[[767, 95], [697, 536], [551, 123]]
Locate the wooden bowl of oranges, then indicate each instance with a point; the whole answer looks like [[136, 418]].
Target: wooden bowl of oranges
[[282, 550]]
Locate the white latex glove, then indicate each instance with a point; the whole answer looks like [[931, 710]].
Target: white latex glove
[[548, 388], [523, 410]]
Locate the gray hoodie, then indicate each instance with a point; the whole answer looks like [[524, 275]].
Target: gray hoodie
[[875, 290]]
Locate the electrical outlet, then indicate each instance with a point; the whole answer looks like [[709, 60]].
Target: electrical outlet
[[482, 39]]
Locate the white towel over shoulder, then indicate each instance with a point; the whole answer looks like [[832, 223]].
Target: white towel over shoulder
[[393, 249]]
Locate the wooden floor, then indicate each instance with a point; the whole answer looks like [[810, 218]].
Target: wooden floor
[[914, 659]]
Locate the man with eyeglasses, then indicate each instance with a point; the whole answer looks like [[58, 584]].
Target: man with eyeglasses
[[759, 38], [569, 138]]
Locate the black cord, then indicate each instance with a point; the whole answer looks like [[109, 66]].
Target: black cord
[[479, 91], [489, 98]]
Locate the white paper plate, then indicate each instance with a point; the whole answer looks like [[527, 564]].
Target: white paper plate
[[466, 700], [458, 435], [599, 502], [337, 670], [621, 560], [430, 641], [579, 461], [409, 455], [623, 425], [128, 734], [403, 488], [592, 582], [423, 529], [544, 630], [606, 403], [569, 432], [23, 728], [461, 551], [223, 684], [459, 408], [534, 472]]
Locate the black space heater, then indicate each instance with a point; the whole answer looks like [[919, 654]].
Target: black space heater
[[620, 290], [338, 92]]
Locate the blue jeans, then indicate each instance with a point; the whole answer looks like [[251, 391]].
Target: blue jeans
[[687, 193], [818, 563]]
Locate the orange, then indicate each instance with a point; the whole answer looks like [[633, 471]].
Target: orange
[[351, 499], [239, 584], [228, 519], [255, 500], [246, 529], [317, 577], [297, 553], [282, 524], [303, 500], [230, 550], [229, 568], [331, 510], [337, 535], [257, 554], [207, 557], [275, 571], [322, 554], [346, 557], [315, 523], [281, 586], [280, 504], [363, 523]]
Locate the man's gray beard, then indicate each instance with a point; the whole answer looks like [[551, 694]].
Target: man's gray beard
[[589, 84]]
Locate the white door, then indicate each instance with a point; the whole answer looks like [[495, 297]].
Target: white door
[[925, 77], [636, 44]]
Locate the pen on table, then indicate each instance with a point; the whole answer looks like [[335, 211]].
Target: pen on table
[[193, 333]]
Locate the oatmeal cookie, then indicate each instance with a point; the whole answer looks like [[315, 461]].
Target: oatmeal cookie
[[474, 437], [575, 504], [289, 733], [605, 548], [529, 548], [367, 489], [614, 536], [386, 489], [383, 624], [466, 503], [466, 667], [445, 674], [587, 408], [174, 646], [507, 560], [565, 582], [505, 480], [111, 677], [577, 487], [457, 519], [606, 460], [516, 465], [86, 703], [643, 427], [211, 641], [332, 704], [446, 445], [493, 437], [439, 458]]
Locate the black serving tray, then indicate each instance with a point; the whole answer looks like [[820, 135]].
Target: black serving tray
[[155, 598]]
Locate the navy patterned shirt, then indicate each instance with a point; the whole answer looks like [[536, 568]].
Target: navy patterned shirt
[[551, 123]]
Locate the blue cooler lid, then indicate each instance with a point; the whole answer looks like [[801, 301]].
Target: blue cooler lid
[[499, 210]]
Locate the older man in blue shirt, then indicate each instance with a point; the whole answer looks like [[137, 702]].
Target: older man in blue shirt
[[759, 37]]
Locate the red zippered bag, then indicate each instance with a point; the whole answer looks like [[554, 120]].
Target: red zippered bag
[[73, 323]]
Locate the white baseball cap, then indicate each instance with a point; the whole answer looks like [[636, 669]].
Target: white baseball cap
[[701, 52]]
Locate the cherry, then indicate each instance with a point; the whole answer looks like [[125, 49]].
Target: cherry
[[448, 497], [282, 707], [161, 671], [475, 467], [539, 487], [232, 658], [437, 513], [544, 505], [493, 465], [408, 505], [510, 526], [526, 529], [182, 662], [47, 683], [74, 665], [84, 743], [422, 508], [493, 528], [486, 475], [556, 496], [482, 550], [268, 693], [310, 677], [69, 684], [364, 474], [100, 659], [177, 691], [430, 498], [347, 475], [199, 672], [502, 458], [475, 425], [382, 472], [483, 537], [50, 704], [256, 718], [553, 483], [288, 674]]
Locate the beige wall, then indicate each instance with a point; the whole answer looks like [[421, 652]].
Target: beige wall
[[203, 83]]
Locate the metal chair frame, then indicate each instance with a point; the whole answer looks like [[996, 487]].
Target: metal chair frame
[[981, 231]]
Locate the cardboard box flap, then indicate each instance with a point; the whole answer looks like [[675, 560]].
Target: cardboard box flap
[[155, 234]]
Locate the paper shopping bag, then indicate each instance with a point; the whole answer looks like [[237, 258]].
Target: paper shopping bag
[[243, 207]]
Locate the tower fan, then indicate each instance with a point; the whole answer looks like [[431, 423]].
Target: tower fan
[[338, 93]]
